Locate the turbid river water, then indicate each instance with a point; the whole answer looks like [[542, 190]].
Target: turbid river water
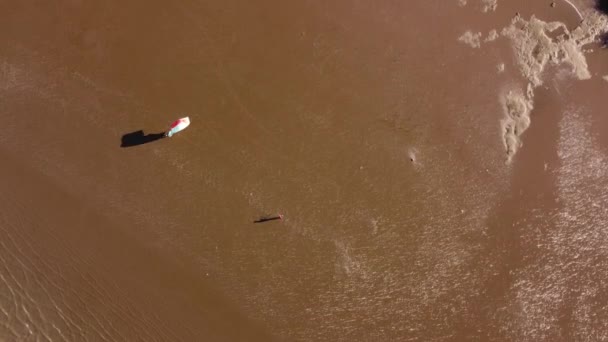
[[440, 166]]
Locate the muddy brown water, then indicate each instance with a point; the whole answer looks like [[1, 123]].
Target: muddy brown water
[[369, 126]]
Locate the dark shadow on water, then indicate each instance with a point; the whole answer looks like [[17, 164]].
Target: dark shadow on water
[[139, 138], [602, 6], [268, 218]]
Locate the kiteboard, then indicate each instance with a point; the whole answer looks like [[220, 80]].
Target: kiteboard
[[177, 126]]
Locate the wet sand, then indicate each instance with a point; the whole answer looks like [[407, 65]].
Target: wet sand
[[374, 130]]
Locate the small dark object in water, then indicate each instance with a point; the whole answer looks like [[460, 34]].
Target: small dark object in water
[[264, 219]]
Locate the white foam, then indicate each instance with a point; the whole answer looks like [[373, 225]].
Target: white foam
[[471, 39], [537, 44], [492, 36], [489, 5], [517, 107]]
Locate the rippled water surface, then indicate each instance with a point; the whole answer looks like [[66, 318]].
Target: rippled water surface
[[432, 189]]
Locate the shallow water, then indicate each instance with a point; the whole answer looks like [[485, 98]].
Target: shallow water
[[370, 127]]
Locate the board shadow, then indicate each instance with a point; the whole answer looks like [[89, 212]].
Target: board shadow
[[139, 138]]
